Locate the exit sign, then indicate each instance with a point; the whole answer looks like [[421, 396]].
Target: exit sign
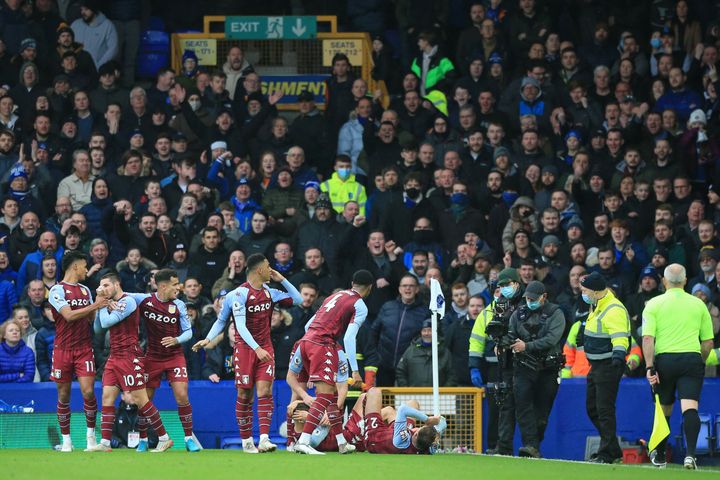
[[270, 28]]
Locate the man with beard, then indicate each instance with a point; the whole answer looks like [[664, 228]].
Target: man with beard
[[96, 33], [63, 210], [23, 240], [236, 68]]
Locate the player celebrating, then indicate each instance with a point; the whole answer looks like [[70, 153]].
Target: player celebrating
[[124, 368], [340, 314], [399, 434], [73, 311], [167, 326], [251, 306]]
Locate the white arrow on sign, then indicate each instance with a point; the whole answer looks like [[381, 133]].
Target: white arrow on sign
[[299, 29]]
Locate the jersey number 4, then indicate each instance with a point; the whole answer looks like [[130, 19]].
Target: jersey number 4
[[330, 304]]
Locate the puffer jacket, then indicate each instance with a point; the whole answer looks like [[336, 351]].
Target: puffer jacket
[[16, 360], [531, 223], [393, 330], [415, 366]]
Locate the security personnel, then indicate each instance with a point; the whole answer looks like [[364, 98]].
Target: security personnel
[[484, 366], [677, 340], [537, 326], [343, 187], [607, 339]]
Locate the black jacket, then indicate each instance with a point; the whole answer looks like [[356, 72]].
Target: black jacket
[[393, 330]]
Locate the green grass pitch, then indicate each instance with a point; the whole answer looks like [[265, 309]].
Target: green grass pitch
[[233, 464]]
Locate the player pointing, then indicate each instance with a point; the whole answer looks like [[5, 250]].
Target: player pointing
[[340, 316], [124, 368], [74, 311], [167, 326], [251, 306]]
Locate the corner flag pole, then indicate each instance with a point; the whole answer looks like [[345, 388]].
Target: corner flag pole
[[437, 307]]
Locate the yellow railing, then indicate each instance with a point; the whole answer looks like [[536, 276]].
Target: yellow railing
[[461, 406]]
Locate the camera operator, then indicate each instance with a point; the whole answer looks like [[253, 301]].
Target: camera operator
[[485, 366], [537, 327]]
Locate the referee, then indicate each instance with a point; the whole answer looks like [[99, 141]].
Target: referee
[[677, 339]]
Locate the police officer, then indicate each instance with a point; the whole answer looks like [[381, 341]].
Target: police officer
[[607, 333], [677, 339], [537, 327], [484, 366]]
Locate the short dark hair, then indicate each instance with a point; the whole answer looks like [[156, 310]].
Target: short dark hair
[[165, 275], [425, 438], [254, 260], [71, 257], [363, 278], [112, 276]]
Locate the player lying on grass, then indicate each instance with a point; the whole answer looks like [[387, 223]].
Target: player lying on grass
[[124, 369], [321, 440], [390, 431]]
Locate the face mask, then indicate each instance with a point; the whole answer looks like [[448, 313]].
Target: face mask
[[509, 198], [412, 192], [195, 105], [533, 304], [656, 43], [587, 299], [507, 291], [496, 298], [343, 173], [459, 199]]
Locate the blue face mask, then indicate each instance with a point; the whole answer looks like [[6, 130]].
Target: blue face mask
[[343, 173], [534, 304], [587, 299], [656, 42], [507, 291], [459, 199]]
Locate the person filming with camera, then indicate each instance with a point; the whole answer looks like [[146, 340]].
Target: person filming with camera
[[536, 328]]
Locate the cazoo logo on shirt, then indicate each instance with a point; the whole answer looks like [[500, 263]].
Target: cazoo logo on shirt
[[79, 302], [261, 307], [159, 318]]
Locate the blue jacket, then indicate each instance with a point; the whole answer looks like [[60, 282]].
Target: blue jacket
[[31, 268], [44, 345], [639, 261], [394, 328], [8, 298], [93, 212], [244, 213], [350, 141], [14, 361], [683, 102]]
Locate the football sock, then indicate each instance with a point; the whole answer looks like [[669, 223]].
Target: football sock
[[691, 423], [315, 414], [90, 407], [63, 414], [336, 420], [243, 414], [265, 411], [151, 413], [185, 414], [107, 420]]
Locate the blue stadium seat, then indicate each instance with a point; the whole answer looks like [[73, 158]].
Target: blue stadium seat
[[156, 23], [231, 443], [153, 54]]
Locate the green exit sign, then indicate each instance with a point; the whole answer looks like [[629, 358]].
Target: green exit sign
[[270, 28]]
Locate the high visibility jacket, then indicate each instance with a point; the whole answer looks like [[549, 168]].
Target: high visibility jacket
[[481, 347], [607, 330], [342, 192], [577, 364], [713, 358], [437, 71]]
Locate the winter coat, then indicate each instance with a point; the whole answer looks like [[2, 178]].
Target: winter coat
[[93, 212], [8, 298], [457, 339], [31, 268], [393, 330], [515, 223], [323, 235], [137, 280], [415, 366], [277, 200], [350, 139], [16, 360], [99, 38]]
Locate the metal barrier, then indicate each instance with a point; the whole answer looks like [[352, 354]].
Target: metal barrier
[[461, 407], [291, 65]]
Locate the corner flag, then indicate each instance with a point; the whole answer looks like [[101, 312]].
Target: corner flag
[[437, 307], [661, 429]]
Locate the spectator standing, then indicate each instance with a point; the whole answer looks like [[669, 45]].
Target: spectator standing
[[414, 368], [96, 33]]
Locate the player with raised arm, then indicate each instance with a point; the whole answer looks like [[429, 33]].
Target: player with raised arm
[[74, 311], [395, 432], [339, 317], [124, 368], [167, 326], [251, 306]]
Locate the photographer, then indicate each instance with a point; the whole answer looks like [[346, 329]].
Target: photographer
[[486, 366], [537, 328]]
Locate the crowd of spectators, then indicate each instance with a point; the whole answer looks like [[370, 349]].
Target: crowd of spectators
[[555, 137]]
